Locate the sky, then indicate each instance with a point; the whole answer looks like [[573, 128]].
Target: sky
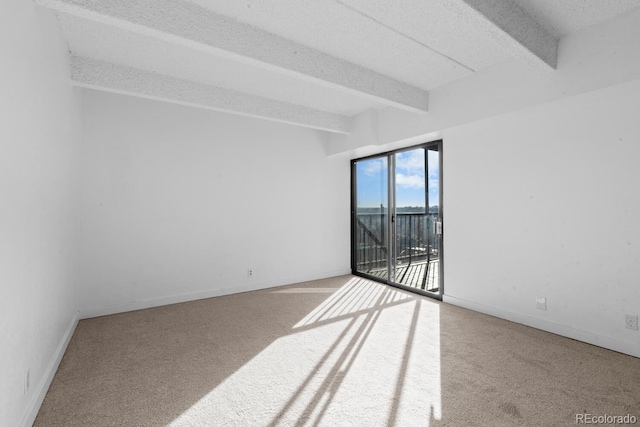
[[410, 179]]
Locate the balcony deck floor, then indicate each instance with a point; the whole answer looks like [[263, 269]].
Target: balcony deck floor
[[413, 275]]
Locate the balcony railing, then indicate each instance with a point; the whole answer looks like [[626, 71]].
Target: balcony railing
[[416, 244]]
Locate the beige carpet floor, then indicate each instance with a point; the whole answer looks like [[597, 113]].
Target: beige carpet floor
[[334, 352]]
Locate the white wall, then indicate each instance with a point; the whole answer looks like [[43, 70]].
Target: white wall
[[178, 203], [544, 202], [39, 141]]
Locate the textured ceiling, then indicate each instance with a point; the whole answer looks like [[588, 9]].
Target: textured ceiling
[[417, 42], [308, 62], [106, 43]]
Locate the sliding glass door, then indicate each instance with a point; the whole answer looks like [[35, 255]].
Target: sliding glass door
[[397, 220]]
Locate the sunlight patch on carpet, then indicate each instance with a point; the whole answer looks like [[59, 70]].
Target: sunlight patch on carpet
[[368, 355]]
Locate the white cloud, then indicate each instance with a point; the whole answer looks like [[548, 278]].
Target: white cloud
[[411, 162], [434, 166], [410, 169], [373, 167], [409, 181]]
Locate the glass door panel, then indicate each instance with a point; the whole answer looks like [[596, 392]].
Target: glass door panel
[[371, 217], [434, 220], [411, 221]]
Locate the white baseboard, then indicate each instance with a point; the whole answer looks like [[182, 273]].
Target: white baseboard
[[615, 344], [87, 313], [42, 388]]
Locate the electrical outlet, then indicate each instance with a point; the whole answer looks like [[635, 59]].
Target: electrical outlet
[[541, 303], [249, 273], [27, 381], [631, 322]]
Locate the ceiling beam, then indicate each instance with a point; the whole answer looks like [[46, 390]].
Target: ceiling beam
[[508, 25], [110, 77], [192, 26]]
